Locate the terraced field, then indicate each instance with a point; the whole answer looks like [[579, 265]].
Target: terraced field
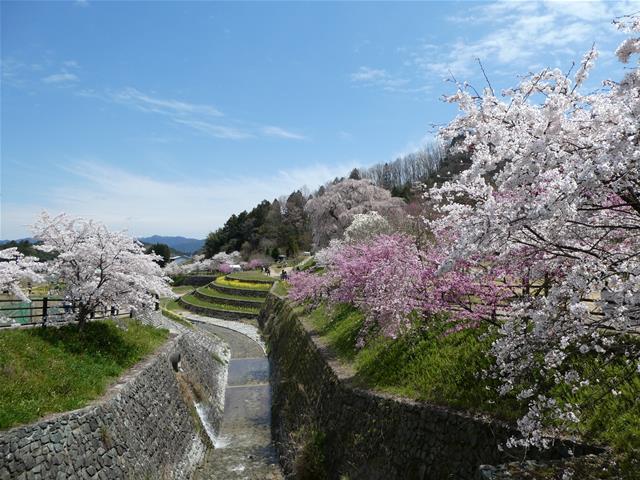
[[237, 296]]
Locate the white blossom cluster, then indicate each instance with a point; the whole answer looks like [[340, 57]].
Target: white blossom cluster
[[16, 269], [366, 226], [554, 192], [201, 264]]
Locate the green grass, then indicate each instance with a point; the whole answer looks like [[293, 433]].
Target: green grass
[[176, 317], [423, 365], [306, 264], [182, 289], [173, 310], [426, 365], [281, 288], [52, 370], [254, 275], [232, 283], [227, 296], [219, 306]]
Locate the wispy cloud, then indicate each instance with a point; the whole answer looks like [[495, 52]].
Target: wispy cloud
[[511, 37], [380, 78], [521, 33], [147, 103], [61, 78], [367, 74], [186, 206], [272, 131], [202, 118], [18, 73], [213, 130]]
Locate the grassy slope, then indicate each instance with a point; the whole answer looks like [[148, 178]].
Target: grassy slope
[[281, 288], [219, 306], [251, 275], [174, 311], [57, 369], [428, 366], [225, 296], [183, 289]]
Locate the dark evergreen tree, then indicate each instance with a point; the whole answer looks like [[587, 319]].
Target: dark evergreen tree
[[355, 174], [161, 249]]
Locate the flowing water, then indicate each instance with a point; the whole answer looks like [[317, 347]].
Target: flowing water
[[243, 447]]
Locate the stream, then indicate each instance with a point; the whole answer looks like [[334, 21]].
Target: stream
[[243, 447]]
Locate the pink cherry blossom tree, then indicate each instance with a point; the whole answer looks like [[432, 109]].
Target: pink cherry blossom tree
[[96, 267]]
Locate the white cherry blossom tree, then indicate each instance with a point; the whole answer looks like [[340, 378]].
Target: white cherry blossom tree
[[332, 212], [98, 268], [554, 191]]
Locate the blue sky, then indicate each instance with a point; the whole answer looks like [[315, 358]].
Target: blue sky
[[166, 117]]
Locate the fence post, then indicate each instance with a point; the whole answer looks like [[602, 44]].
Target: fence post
[[45, 309]]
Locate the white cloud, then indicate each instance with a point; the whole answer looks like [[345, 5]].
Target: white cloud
[[509, 37], [147, 103], [146, 205], [379, 78], [213, 130], [367, 74], [521, 33], [60, 78], [272, 131]]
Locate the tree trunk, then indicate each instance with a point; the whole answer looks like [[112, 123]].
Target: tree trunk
[[83, 314]]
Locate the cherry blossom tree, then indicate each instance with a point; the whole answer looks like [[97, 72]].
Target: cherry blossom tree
[[202, 264], [98, 268], [16, 269], [389, 279], [554, 186], [225, 268], [333, 211], [365, 226]]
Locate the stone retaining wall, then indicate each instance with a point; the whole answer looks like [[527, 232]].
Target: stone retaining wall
[[196, 280], [142, 428], [244, 292], [326, 428]]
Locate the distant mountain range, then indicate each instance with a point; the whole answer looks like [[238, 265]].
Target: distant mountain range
[[180, 244], [30, 240]]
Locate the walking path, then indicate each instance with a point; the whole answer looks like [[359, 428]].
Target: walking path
[[243, 448]]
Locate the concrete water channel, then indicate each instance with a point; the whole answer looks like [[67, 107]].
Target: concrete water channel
[[243, 447]]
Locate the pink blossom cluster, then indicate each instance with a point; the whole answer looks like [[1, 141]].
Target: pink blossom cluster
[[389, 278], [225, 268], [255, 263]]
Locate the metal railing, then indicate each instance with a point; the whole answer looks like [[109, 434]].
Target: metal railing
[[50, 310]]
